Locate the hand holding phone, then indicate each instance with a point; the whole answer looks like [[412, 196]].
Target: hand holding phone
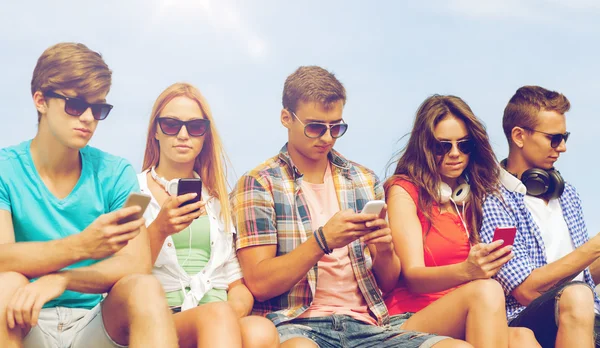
[[180, 210], [485, 260], [111, 232], [135, 199], [185, 186], [373, 207]]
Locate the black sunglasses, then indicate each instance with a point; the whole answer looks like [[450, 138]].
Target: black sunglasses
[[555, 139], [316, 130], [172, 126], [77, 106], [442, 147]]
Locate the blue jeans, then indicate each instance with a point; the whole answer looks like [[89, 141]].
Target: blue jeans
[[344, 331]]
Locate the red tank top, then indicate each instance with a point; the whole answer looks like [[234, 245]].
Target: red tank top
[[445, 243]]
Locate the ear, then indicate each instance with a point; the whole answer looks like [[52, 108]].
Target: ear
[[39, 101], [286, 118], [518, 136]]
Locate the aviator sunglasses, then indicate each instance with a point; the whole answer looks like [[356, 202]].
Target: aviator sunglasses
[[77, 106], [442, 147], [316, 129], [555, 139], [172, 126]]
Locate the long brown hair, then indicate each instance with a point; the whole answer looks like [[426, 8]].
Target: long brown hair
[[418, 164], [211, 163]]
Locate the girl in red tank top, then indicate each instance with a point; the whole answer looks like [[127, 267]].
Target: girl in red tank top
[[434, 203]]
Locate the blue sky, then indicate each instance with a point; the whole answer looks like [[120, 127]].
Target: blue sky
[[390, 55]]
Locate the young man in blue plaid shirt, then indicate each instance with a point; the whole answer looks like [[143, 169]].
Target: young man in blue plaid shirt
[[549, 282]]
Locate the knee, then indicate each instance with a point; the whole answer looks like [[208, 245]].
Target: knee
[[521, 337], [576, 304], [486, 293], [140, 290], [259, 332], [11, 281], [299, 342], [452, 343], [220, 313]]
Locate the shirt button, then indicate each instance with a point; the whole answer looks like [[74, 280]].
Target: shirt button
[[169, 245]]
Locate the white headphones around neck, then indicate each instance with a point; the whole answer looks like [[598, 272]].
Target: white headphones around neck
[[169, 185], [460, 195]]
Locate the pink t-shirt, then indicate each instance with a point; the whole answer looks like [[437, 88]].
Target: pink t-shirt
[[337, 289]]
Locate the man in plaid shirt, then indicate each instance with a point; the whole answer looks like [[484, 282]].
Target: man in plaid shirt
[[309, 257], [549, 282]]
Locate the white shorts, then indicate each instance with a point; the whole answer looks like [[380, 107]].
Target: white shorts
[[62, 327]]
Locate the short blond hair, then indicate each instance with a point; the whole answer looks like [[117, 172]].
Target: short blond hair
[[74, 66]]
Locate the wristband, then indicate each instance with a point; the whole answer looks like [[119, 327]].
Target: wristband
[[319, 241], [326, 249]]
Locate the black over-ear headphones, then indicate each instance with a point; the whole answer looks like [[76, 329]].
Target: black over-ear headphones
[[542, 182]]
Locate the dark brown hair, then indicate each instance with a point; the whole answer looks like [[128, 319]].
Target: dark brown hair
[[312, 84], [418, 163], [523, 108]]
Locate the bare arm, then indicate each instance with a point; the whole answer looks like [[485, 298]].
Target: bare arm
[[240, 298], [543, 278], [172, 219], [268, 276], [156, 239], [407, 235], [386, 264], [595, 271], [101, 276], [34, 259]]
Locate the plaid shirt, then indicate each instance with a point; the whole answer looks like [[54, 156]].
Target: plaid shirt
[[529, 250], [269, 208]]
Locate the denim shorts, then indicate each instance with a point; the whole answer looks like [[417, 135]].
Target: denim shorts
[[344, 331], [63, 327]]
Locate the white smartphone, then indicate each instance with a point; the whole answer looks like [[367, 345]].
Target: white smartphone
[[138, 199], [373, 207]]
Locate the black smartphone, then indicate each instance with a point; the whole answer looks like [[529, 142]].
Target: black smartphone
[[188, 186]]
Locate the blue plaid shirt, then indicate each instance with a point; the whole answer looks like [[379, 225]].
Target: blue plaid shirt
[[529, 250]]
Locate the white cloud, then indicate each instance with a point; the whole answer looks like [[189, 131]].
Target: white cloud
[[490, 8], [221, 16], [516, 9]]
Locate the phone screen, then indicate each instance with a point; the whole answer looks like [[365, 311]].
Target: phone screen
[[188, 186], [138, 199], [507, 234]]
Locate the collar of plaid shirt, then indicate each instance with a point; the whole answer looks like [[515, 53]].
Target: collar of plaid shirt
[[334, 157]]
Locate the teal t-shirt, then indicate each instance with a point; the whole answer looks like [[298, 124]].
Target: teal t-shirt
[[38, 216]]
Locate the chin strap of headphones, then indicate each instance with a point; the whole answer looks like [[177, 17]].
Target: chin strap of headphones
[[461, 213]]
